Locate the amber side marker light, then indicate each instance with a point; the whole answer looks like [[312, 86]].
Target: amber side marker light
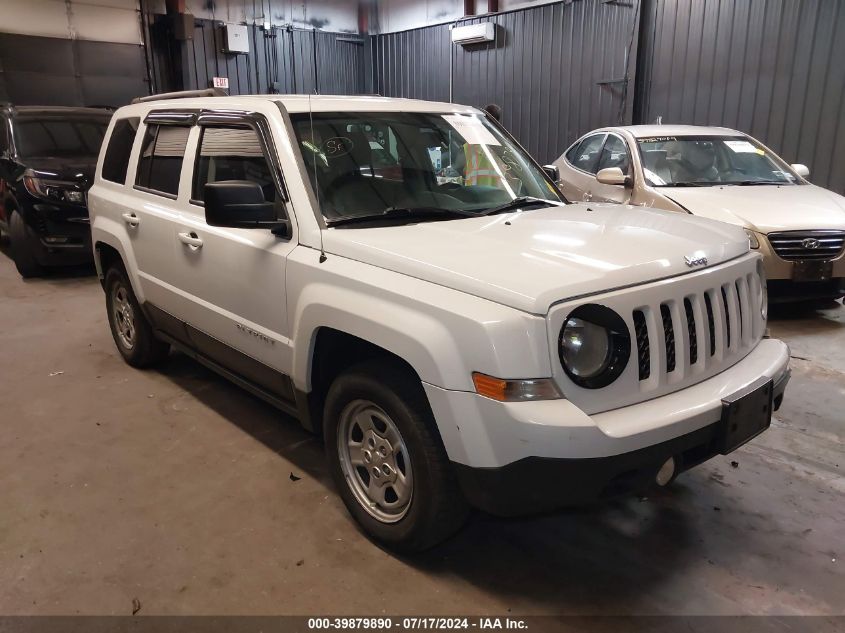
[[506, 390]]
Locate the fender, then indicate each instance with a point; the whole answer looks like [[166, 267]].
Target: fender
[[443, 334], [395, 328], [104, 230]]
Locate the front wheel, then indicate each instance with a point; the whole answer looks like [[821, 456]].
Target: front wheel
[[387, 458], [21, 246], [130, 329]]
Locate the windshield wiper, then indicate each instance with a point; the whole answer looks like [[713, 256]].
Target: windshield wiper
[[751, 183], [518, 202], [689, 184], [402, 213]]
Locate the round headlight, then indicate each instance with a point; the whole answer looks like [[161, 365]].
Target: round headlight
[[584, 347], [594, 346]]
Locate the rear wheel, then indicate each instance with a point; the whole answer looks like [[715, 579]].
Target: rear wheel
[[130, 329], [387, 458], [22, 247]]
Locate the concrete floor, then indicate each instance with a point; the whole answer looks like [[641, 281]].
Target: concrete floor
[[173, 488]]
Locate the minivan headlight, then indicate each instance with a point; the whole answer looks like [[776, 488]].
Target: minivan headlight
[[594, 346]]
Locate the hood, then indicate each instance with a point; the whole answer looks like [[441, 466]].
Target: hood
[[764, 208], [70, 168], [535, 258]]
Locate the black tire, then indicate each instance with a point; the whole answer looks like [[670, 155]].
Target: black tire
[[437, 508], [142, 348], [21, 248]]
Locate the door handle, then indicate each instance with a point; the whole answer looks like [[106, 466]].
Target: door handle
[[190, 239], [131, 219]]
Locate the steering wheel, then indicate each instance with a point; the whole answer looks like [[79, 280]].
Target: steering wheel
[[339, 183]]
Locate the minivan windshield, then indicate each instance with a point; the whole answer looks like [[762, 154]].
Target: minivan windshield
[[53, 136], [370, 164], [702, 161]]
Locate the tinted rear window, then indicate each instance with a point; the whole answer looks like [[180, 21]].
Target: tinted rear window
[[160, 162], [116, 161]]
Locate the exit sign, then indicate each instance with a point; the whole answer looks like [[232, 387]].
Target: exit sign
[[220, 82]]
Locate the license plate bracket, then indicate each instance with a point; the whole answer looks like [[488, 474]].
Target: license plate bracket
[[812, 270], [746, 414]]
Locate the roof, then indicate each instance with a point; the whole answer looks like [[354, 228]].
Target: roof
[[300, 103], [333, 103], [647, 131]]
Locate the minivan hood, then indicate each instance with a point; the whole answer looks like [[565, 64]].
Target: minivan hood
[[764, 208], [535, 258]]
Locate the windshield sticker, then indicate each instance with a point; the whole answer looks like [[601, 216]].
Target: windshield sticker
[[337, 146], [472, 129], [743, 147], [509, 162], [658, 139]]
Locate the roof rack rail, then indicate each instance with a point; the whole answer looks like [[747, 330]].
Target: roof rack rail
[[183, 94]]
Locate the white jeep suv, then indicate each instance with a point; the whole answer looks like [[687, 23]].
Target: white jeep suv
[[406, 280]]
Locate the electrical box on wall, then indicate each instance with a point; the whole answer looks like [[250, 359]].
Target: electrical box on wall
[[235, 38], [183, 26]]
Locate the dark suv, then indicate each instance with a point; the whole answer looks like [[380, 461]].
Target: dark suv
[[47, 160]]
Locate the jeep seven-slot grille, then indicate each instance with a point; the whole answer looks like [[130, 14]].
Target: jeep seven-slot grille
[[711, 324], [643, 349], [668, 337], [693, 339], [726, 315], [799, 245], [708, 330]]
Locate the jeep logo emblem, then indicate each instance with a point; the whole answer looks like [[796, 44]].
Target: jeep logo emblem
[[810, 242], [695, 261]]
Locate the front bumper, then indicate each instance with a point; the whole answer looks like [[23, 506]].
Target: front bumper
[[516, 458], [782, 286], [60, 236]]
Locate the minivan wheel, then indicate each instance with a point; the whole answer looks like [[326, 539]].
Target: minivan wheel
[[130, 329], [387, 459], [21, 248]]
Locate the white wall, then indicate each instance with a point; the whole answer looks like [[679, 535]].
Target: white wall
[[401, 15], [326, 15], [99, 20]]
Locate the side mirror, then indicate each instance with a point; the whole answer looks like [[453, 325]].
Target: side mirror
[[801, 170], [552, 172], [613, 176], [240, 204]]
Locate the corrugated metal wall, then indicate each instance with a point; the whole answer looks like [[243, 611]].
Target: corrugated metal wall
[[772, 68], [549, 69], [281, 60]]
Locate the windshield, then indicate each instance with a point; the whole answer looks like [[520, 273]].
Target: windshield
[[59, 137], [369, 163], [672, 161]]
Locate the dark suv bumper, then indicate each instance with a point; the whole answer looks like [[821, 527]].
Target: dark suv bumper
[[537, 484], [60, 237]]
